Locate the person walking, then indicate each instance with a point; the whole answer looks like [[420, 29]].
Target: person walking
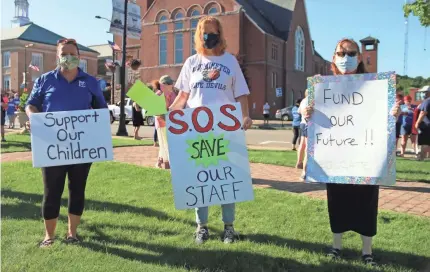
[[212, 64], [297, 119], [266, 113], [67, 88], [352, 207]]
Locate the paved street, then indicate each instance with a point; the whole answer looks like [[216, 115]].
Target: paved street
[[279, 139], [255, 138]]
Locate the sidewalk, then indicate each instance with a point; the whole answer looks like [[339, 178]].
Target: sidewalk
[[406, 197]]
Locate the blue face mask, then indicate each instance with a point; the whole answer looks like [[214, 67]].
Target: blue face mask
[[346, 64]]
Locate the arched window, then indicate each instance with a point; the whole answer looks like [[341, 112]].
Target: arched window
[[179, 39], [300, 49], [162, 41], [194, 23], [212, 11]]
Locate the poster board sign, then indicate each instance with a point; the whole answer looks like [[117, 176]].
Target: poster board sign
[[279, 92], [134, 26], [351, 134], [70, 137], [152, 103], [208, 156]]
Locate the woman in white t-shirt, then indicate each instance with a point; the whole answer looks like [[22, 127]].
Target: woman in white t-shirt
[[212, 76]]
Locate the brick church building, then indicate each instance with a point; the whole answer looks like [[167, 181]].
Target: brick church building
[[272, 38]]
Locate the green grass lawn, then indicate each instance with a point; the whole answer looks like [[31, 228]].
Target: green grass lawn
[[407, 169], [130, 224], [21, 143]]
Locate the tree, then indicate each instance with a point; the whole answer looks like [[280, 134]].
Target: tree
[[419, 8]]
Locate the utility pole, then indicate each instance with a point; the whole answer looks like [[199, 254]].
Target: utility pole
[[122, 130]]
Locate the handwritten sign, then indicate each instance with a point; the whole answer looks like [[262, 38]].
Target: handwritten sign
[[70, 137], [351, 134], [208, 156]]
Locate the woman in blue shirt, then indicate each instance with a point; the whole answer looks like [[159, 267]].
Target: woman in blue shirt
[[66, 88], [407, 117], [11, 108], [297, 118]]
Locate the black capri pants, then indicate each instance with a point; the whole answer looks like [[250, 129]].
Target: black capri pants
[[53, 183]]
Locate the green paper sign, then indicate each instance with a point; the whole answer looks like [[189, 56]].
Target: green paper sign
[[147, 99]]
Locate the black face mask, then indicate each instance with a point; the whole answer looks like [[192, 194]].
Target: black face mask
[[211, 40]]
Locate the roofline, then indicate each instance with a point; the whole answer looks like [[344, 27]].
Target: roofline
[[307, 21], [89, 46], [257, 26], [86, 50]]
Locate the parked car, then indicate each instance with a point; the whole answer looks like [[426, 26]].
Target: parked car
[[285, 114], [115, 111]]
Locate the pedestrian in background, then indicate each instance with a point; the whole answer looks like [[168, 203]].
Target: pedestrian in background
[[303, 136], [4, 105], [399, 100], [266, 113], [406, 128], [11, 108], [211, 54], [297, 119], [166, 88], [155, 137], [423, 124]]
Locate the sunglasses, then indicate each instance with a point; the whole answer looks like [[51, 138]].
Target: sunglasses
[[66, 41], [349, 53]]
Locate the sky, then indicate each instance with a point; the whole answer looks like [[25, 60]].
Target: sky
[[329, 21]]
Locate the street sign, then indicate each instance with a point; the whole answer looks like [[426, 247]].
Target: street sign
[[134, 27]]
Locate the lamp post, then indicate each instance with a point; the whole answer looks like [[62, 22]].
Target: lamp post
[[122, 129], [25, 65]]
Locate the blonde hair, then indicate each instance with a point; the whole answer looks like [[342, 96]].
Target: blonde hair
[[198, 37]]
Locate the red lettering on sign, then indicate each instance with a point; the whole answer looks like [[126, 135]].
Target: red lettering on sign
[[183, 124], [196, 124], [236, 125]]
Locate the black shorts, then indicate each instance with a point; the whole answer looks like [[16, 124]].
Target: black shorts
[[3, 117], [266, 116], [424, 137], [398, 128], [304, 130]]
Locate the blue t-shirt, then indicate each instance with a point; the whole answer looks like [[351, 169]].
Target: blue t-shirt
[[425, 106], [407, 119], [11, 107], [52, 92], [297, 117]]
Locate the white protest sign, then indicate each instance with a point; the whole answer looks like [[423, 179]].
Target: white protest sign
[[351, 134], [70, 137], [208, 156]]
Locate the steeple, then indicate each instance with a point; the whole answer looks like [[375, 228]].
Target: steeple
[[21, 14]]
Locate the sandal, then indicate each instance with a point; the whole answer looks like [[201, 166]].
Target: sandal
[[369, 260], [72, 240], [46, 243], [333, 253]]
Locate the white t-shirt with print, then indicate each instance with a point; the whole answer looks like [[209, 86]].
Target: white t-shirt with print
[[302, 106], [212, 80]]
